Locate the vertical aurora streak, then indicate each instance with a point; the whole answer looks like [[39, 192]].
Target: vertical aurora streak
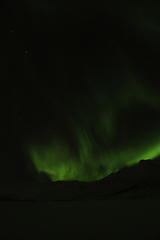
[[104, 139]]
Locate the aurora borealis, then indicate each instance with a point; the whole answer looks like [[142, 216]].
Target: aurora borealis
[[80, 87]]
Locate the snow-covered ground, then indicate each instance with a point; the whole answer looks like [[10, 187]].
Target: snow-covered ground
[[123, 219], [124, 205]]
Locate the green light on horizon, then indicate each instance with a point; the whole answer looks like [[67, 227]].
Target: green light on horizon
[[112, 132]]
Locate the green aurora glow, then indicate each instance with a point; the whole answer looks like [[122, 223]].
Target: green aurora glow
[[103, 143], [111, 126]]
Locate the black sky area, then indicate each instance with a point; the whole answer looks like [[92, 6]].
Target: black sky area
[[55, 54]]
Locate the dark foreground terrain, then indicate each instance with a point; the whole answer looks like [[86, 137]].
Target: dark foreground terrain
[[123, 219], [138, 181], [123, 205]]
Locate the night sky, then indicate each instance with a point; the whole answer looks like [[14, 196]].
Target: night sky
[[79, 88]]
